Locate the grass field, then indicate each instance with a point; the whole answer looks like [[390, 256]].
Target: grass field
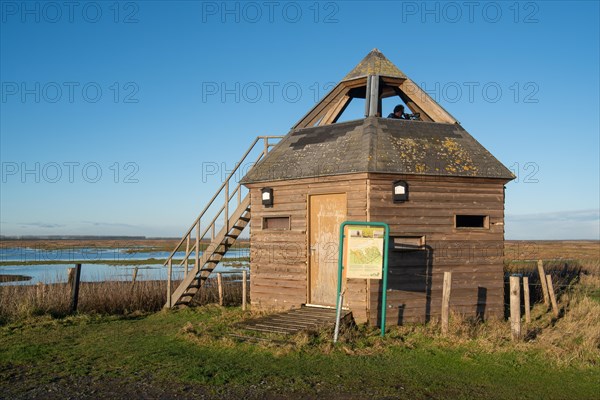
[[175, 354], [124, 353]]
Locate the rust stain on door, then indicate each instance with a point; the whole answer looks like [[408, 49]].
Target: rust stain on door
[[327, 212]]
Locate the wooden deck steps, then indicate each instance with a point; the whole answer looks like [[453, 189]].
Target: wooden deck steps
[[296, 320]]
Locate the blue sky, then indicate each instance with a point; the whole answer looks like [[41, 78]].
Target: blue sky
[[110, 111]]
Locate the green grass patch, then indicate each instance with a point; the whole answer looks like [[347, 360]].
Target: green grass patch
[[594, 294], [192, 347]]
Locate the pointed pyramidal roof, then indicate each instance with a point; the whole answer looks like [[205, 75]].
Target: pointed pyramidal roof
[[373, 79], [375, 63], [435, 144]]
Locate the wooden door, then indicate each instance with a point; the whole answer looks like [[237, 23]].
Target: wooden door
[[326, 214]]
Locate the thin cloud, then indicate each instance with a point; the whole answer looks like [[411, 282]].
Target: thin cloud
[[44, 225], [563, 225], [577, 215], [111, 224]]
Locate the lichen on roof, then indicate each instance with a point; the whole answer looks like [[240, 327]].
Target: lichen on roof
[[412, 153], [457, 158], [378, 145], [375, 63]]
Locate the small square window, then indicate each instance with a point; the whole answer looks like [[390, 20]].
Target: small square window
[[276, 223], [471, 221], [407, 243]]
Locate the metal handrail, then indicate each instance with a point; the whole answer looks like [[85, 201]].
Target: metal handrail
[[229, 197], [191, 250]]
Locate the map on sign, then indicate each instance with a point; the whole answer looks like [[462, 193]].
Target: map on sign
[[364, 252]]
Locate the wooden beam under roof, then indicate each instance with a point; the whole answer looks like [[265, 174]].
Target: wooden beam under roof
[[330, 100], [422, 100], [334, 113], [318, 108]]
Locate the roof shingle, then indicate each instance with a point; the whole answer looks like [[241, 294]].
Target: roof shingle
[[378, 145]]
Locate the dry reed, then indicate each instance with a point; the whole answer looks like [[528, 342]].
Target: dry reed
[[108, 297]]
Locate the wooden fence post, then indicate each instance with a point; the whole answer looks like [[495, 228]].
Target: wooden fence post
[[552, 295], [526, 299], [75, 289], [220, 287], [515, 308], [134, 277], [244, 274], [446, 301], [542, 274], [70, 278]]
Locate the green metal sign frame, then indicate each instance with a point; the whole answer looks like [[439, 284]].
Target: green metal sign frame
[[385, 263]]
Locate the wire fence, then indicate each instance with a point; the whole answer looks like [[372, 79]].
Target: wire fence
[[564, 273]]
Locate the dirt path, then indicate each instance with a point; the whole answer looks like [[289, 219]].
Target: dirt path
[[18, 383]]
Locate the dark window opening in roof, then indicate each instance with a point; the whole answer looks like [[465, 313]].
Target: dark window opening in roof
[[388, 104], [356, 108], [358, 102], [471, 221]]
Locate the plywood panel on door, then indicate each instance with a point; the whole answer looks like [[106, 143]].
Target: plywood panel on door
[[326, 214]]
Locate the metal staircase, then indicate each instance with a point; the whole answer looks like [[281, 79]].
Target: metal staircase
[[231, 219]]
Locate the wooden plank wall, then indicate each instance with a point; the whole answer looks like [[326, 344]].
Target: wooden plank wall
[[475, 256], [278, 259]]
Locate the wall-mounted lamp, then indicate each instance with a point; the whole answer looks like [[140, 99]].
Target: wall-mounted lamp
[[400, 192], [267, 197]]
